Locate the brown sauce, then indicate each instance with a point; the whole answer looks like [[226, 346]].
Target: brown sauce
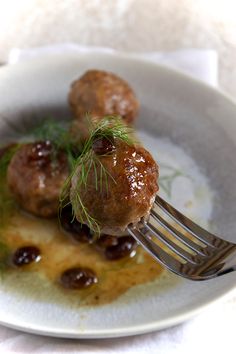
[[65, 255], [106, 279]]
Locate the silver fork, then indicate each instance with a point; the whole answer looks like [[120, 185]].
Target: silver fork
[[198, 257]]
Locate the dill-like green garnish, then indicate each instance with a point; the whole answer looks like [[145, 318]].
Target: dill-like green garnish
[[166, 180], [110, 127], [52, 130], [6, 156], [7, 204], [60, 137], [48, 129], [6, 200]]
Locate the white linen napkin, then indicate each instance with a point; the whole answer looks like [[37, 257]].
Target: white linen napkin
[[210, 332]]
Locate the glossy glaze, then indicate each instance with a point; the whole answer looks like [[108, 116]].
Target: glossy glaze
[[132, 185]]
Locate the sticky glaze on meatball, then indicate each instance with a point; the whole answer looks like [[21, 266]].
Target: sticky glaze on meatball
[[129, 195], [35, 176], [102, 93]]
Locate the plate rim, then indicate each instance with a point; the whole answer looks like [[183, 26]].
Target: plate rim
[[142, 328], [124, 331], [132, 56]]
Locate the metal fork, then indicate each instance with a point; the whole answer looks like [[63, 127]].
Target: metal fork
[[197, 255]]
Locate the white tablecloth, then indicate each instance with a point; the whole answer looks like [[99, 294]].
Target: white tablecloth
[[210, 332]]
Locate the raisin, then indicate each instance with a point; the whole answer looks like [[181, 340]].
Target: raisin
[[78, 278], [126, 246], [79, 232], [26, 255], [105, 241], [103, 146]]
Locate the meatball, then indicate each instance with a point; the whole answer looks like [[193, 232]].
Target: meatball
[[101, 93], [80, 130], [35, 176], [127, 195]]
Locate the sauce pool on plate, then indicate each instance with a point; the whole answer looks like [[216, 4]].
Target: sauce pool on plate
[[94, 273]]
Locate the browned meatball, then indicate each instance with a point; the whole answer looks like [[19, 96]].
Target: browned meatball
[[102, 93], [35, 176], [130, 191]]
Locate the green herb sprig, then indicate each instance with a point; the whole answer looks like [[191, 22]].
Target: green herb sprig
[[7, 204], [168, 177], [6, 200], [110, 127], [59, 135]]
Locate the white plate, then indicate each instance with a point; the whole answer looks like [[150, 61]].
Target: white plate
[[196, 118]]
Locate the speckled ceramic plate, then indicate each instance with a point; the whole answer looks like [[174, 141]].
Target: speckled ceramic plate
[[175, 110]]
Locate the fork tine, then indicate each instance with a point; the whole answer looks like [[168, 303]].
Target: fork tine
[[179, 236], [155, 251], [172, 246], [195, 230]]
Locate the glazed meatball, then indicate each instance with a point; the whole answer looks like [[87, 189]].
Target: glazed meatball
[[80, 130], [35, 176], [101, 93], [128, 195]]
